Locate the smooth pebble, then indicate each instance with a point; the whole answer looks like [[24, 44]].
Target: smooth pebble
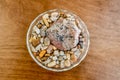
[[52, 64]]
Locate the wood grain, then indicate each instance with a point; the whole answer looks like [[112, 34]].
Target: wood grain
[[102, 18]]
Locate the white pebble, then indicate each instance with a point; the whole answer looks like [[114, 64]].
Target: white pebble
[[33, 49], [70, 17], [42, 33], [36, 29], [74, 49], [46, 16], [38, 47], [64, 57], [52, 64], [56, 53], [60, 58], [77, 53], [54, 16], [62, 53], [57, 62], [41, 40], [47, 41], [62, 64], [44, 47], [54, 58], [51, 57]]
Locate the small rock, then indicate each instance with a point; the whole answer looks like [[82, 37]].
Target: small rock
[[73, 58], [47, 41], [43, 28], [68, 56], [46, 16], [45, 21], [44, 47], [60, 58], [64, 57], [54, 16], [70, 17], [47, 61], [62, 53], [74, 49], [34, 41], [54, 47], [67, 63], [54, 58], [52, 64], [47, 55], [36, 29], [39, 35], [33, 49], [44, 58], [56, 53], [57, 66], [51, 57], [62, 64], [38, 47], [77, 53], [49, 49], [42, 33], [38, 58], [57, 62], [41, 40], [42, 53]]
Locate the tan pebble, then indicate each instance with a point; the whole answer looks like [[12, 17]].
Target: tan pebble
[[68, 56], [49, 20], [42, 53], [35, 42], [46, 16], [45, 21], [39, 26], [67, 63], [73, 58], [54, 48], [57, 66], [49, 49], [47, 54], [38, 58], [52, 64], [81, 50], [35, 53], [62, 14], [44, 58]]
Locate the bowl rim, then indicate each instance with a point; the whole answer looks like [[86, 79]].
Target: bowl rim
[[51, 69]]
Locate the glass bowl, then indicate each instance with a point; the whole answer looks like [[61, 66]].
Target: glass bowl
[[83, 29]]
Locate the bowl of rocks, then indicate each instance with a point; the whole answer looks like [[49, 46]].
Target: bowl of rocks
[[57, 40]]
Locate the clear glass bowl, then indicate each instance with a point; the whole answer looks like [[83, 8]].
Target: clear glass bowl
[[85, 34]]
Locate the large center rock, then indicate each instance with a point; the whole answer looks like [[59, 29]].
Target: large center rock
[[63, 34]]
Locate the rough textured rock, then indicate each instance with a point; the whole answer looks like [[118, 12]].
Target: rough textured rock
[[63, 34]]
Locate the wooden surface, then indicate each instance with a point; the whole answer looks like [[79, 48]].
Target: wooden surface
[[102, 18]]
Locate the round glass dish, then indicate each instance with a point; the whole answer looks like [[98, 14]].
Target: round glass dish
[[85, 33]]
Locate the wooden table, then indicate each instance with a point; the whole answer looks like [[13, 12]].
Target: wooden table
[[102, 18]]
